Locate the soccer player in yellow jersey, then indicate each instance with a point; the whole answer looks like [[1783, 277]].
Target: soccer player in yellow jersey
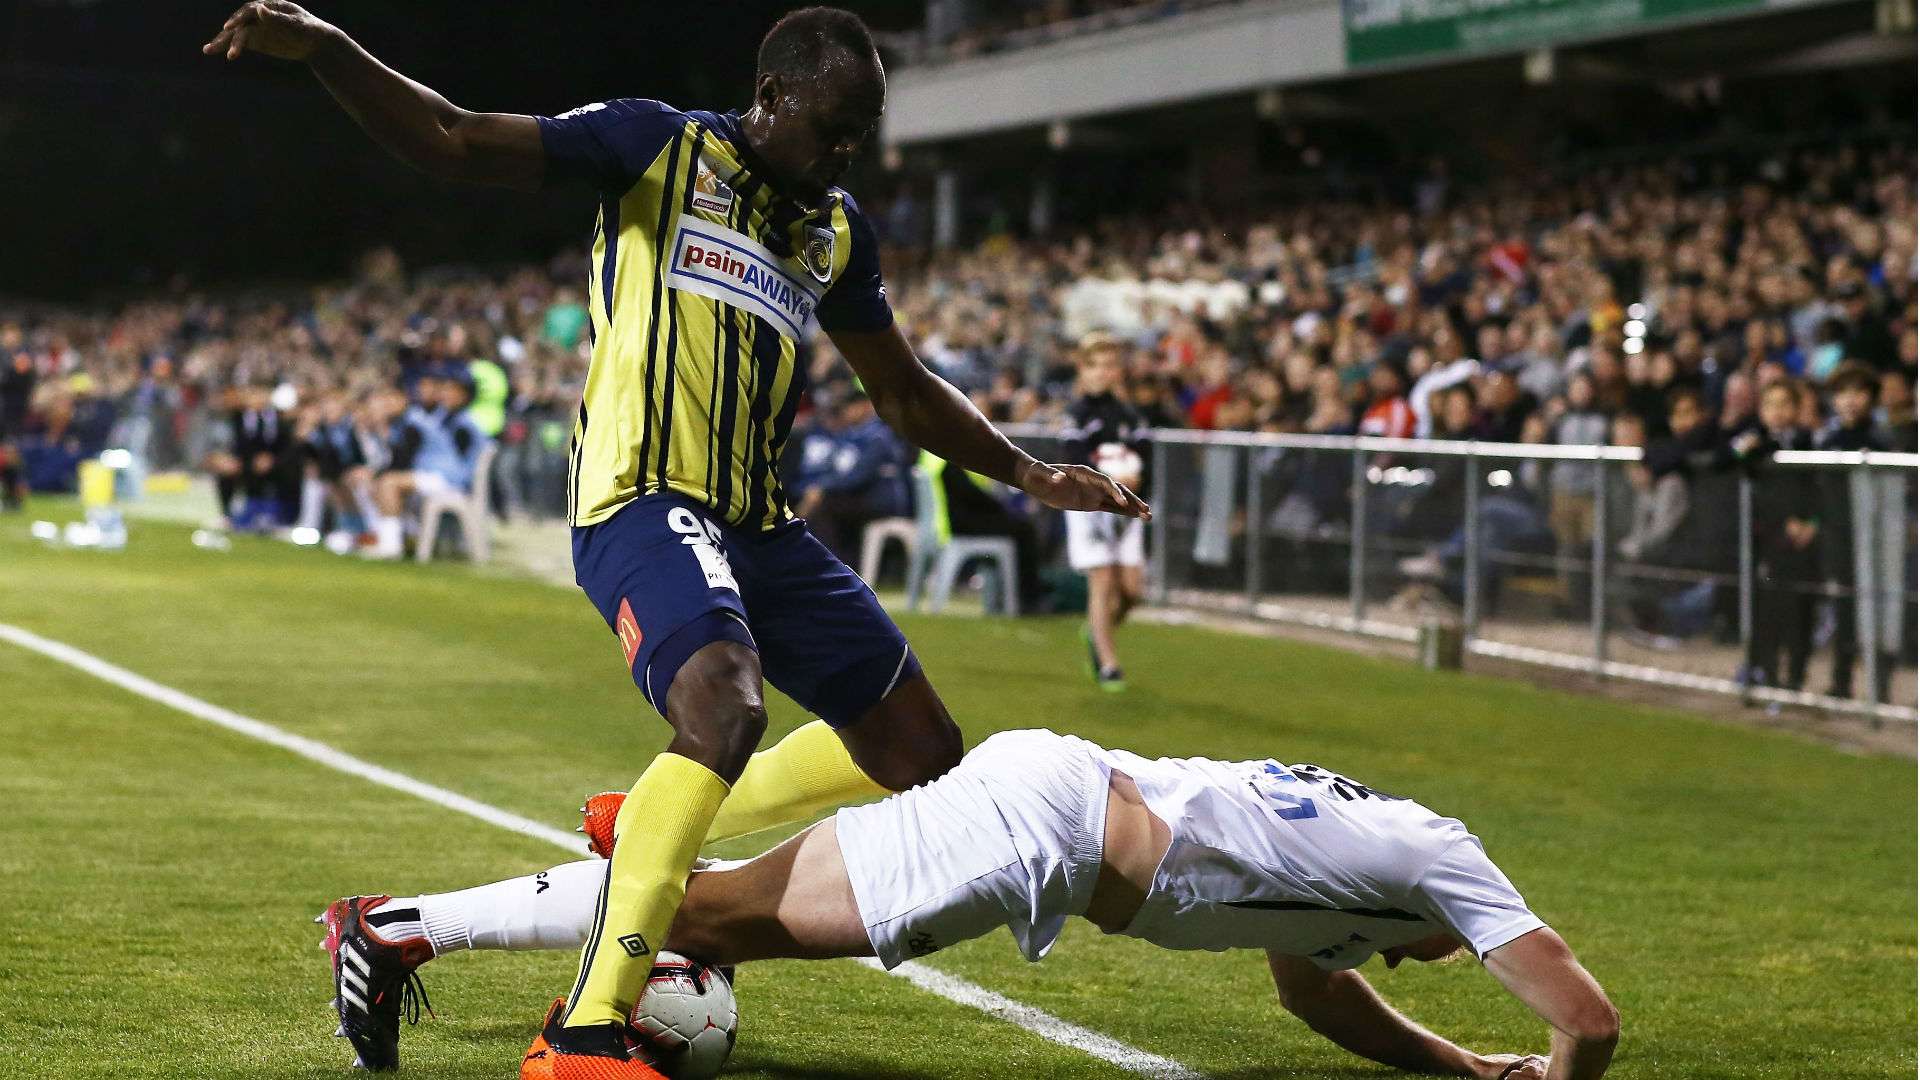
[[721, 242]]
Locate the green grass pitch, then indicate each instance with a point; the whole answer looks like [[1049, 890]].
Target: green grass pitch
[[1747, 898]]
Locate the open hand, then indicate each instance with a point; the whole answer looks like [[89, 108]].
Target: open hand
[[1077, 487], [1513, 1067], [272, 27]]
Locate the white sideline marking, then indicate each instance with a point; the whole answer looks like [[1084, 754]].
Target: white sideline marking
[[1044, 1024], [307, 748], [938, 983]]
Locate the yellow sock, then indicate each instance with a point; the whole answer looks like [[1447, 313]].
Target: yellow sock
[[674, 802], [801, 775]]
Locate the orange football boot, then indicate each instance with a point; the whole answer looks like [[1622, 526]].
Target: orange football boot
[[599, 814], [597, 1052]]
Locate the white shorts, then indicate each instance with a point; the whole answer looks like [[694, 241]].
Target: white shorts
[[1011, 837], [431, 483], [1096, 539]]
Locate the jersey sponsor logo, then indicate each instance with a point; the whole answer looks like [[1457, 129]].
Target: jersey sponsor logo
[[629, 630], [710, 193], [721, 264]]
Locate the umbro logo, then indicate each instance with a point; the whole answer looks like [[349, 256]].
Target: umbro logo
[[635, 945]]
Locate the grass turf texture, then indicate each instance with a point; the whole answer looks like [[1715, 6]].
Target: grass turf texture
[[1747, 898]]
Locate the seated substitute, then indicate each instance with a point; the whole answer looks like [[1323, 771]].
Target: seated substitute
[[436, 449], [1320, 871]]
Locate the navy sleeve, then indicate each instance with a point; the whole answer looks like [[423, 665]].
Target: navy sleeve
[[858, 299], [609, 144]]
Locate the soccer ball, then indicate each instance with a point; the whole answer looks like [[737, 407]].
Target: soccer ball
[[686, 1020], [1119, 461]]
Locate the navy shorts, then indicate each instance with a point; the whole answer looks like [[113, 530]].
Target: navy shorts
[[669, 578]]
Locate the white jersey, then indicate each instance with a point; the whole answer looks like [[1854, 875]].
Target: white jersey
[[1309, 863], [1264, 856]]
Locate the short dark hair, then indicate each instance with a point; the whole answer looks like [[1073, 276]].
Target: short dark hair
[[1854, 375], [1689, 393], [797, 46]]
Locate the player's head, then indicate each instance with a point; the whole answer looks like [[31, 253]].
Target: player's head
[[1103, 367], [1426, 950], [819, 92]]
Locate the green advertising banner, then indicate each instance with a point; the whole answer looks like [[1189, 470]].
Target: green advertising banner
[[1379, 30]]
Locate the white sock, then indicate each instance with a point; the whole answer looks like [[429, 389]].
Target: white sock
[[550, 910], [388, 534], [363, 498], [398, 919], [313, 503]]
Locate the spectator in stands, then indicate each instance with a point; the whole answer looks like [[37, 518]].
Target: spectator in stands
[[1703, 551], [1659, 504], [17, 378], [1388, 415], [1852, 391], [1869, 339], [862, 479], [1573, 485], [1786, 508], [1897, 416], [51, 446]]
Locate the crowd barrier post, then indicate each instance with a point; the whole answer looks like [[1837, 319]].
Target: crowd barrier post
[[1470, 581], [1357, 555], [1601, 564], [1162, 521], [1747, 571]]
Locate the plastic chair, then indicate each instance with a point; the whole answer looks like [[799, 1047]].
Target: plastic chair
[[939, 565], [873, 544], [470, 507]]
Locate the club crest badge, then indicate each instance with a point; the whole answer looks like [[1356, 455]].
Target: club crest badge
[[818, 252]]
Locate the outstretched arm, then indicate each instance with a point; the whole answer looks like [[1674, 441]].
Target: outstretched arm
[[928, 412], [1540, 970], [410, 121], [1343, 1007]]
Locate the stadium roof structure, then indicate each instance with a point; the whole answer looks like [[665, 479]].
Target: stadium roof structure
[[1264, 45]]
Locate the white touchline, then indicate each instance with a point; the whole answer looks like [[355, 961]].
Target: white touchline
[[953, 988], [1044, 1024]]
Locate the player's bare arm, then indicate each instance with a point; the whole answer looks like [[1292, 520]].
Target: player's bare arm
[[409, 120], [1344, 1008], [927, 411], [1539, 969]]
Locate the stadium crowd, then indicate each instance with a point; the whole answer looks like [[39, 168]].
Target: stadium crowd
[[1705, 317]]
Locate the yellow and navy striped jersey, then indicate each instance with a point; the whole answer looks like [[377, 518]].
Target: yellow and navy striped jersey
[[705, 283]]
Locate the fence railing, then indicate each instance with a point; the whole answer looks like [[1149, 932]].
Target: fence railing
[[1551, 555], [1572, 557]]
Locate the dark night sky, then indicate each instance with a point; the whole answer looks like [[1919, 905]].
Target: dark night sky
[[126, 157]]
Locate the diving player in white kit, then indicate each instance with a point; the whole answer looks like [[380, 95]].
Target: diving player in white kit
[[1032, 828]]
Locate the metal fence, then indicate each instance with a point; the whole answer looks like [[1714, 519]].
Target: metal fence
[[1531, 550], [1557, 556]]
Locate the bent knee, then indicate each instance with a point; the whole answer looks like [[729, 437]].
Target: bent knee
[[716, 708]]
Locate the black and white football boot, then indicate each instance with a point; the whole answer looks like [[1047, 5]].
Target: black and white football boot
[[375, 982]]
